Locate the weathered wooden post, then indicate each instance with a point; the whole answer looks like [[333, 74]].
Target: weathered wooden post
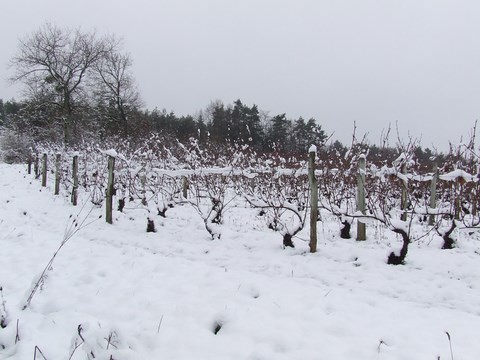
[[75, 180], [143, 181], [184, 186], [361, 228], [404, 199], [433, 193], [36, 167], [57, 173], [475, 203], [109, 197], [44, 169], [252, 183], [29, 161], [312, 152], [458, 191]]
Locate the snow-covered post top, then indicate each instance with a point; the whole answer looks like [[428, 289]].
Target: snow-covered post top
[[111, 153], [362, 165], [312, 149]]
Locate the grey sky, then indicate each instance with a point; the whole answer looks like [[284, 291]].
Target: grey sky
[[415, 62]]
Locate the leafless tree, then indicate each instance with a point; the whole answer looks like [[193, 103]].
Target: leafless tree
[[56, 61], [115, 84]]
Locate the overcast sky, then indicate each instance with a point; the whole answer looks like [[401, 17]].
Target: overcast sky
[[376, 62]]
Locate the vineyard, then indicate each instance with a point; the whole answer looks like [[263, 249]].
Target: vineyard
[[396, 196], [183, 251]]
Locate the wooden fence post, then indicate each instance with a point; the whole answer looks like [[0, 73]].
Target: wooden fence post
[[313, 198], [143, 181], [404, 200], [361, 228], [475, 192], [36, 167], [57, 173], [29, 162], [75, 180], [44, 170], [184, 187], [458, 191], [110, 189], [433, 193]]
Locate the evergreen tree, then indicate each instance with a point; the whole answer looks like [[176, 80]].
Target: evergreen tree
[[185, 128], [339, 148], [10, 109], [163, 122], [237, 125], [315, 133], [202, 131], [2, 113], [218, 126], [279, 133], [255, 133], [300, 140]]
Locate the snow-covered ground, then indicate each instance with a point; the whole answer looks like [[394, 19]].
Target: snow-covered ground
[[117, 292]]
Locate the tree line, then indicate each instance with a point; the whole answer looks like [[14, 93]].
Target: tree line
[[79, 86], [222, 124]]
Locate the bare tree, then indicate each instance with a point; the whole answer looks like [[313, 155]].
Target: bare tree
[[116, 85], [57, 61]]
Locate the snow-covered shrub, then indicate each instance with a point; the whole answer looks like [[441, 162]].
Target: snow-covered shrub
[[14, 147]]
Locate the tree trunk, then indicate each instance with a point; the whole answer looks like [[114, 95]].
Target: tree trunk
[[287, 241], [345, 231], [448, 242]]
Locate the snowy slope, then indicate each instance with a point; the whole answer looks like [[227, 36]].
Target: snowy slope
[[117, 292]]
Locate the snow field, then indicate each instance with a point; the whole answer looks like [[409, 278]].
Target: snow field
[[163, 295]]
